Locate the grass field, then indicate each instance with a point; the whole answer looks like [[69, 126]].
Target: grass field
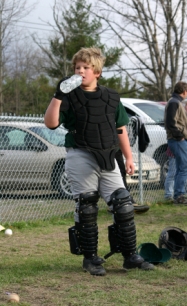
[[36, 263]]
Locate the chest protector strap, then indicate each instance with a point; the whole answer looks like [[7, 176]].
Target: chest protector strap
[[95, 124]]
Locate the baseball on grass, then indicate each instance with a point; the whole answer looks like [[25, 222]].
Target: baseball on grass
[[8, 232], [13, 298]]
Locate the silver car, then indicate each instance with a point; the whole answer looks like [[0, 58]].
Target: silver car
[[32, 157]]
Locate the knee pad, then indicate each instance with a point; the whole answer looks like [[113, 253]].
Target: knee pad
[[88, 209], [123, 209]]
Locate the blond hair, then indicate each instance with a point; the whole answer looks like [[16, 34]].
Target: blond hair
[[91, 56]]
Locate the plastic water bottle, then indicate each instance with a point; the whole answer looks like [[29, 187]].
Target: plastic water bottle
[[73, 82]]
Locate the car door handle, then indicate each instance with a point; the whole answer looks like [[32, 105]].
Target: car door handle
[[2, 154]]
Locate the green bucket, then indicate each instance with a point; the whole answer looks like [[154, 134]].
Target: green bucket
[[151, 253]]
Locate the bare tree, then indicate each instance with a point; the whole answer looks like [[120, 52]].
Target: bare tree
[[152, 33], [59, 37], [11, 11]]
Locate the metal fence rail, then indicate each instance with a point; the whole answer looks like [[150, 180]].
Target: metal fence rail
[[33, 183]]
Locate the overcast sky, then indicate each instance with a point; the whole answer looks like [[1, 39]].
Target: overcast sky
[[37, 19], [43, 10]]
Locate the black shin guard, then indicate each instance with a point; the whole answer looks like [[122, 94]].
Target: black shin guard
[[124, 226], [86, 231]]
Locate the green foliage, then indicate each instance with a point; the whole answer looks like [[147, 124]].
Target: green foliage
[[64, 220], [112, 82], [150, 92], [79, 30], [112, 56], [122, 87], [23, 96], [128, 91]]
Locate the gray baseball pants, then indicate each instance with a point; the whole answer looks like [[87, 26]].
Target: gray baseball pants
[[85, 175]]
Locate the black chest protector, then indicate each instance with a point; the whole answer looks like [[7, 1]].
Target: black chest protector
[[95, 128]]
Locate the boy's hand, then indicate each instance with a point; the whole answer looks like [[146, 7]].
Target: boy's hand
[[59, 94], [129, 167]]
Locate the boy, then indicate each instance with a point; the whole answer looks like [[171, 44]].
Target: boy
[[95, 120]]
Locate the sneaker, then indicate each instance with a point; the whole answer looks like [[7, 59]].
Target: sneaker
[[136, 261], [139, 209], [169, 199], [181, 200], [93, 266]]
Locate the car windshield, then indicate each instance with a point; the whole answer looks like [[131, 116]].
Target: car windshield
[[155, 111], [55, 137]]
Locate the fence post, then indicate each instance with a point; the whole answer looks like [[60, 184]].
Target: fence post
[[140, 177]]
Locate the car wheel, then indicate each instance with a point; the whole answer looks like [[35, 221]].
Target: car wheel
[[60, 181], [164, 163]]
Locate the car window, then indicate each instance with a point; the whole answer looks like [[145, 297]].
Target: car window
[[16, 137], [129, 112], [5, 137], [155, 111], [12, 138], [55, 137]]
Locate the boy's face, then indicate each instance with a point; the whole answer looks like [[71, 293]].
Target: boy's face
[[89, 78]]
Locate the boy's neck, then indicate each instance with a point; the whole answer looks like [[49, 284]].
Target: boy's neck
[[85, 88]]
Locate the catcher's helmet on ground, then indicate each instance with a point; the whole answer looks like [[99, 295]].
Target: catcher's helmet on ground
[[175, 240]]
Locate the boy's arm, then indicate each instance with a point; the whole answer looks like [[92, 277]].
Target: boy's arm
[[51, 118], [126, 150]]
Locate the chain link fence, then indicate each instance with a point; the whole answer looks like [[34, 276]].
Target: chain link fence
[[33, 183]]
